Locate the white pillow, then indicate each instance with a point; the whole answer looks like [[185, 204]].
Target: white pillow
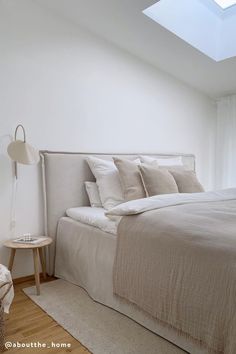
[[93, 194], [94, 217], [172, 161], [108, 181]]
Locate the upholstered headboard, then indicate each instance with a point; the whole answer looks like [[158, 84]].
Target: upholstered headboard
[[64, 174]]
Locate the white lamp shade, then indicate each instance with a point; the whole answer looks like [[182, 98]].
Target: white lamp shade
[[21, 152]]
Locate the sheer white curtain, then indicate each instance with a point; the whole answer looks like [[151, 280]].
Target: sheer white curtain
[[226, 142]]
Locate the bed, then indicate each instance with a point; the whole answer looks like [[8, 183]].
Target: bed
[[84, 254]]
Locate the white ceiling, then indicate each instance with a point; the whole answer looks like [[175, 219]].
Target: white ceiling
[[123, 23]]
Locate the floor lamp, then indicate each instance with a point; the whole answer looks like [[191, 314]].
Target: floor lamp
[[20, 152]]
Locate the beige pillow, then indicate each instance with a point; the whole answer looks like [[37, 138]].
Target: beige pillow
[[130, 179], [187, 181], [157, 180]]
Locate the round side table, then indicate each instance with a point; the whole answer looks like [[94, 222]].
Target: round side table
[[38, 253]]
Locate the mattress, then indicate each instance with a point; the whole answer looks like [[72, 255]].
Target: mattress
[[94, 217], [85, 257]]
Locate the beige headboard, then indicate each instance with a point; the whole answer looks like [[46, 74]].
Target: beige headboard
[[64, 174]]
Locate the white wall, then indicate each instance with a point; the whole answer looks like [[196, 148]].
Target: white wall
[[73, 91], [226, 142]]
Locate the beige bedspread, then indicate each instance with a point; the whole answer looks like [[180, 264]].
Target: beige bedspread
[[178, 263]]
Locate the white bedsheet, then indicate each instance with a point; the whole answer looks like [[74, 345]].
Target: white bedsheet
[[95, 217]]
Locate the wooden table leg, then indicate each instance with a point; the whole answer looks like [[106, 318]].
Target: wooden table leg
[[43, 264], [36, 269], [11, 260]]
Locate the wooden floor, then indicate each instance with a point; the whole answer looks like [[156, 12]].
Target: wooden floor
[[28, 323]]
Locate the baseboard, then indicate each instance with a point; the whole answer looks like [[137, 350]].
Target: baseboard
[[28, 278]]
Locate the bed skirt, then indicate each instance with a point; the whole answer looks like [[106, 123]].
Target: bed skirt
[[85, 257]]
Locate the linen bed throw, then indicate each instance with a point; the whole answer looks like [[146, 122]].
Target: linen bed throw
[[177, 262]]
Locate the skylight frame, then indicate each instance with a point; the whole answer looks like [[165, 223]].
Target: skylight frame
[[225, 4], [204, 16]]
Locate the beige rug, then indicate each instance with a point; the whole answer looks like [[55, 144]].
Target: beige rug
[[99, 328]]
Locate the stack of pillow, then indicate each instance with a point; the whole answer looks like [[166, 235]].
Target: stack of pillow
[[122, 180]]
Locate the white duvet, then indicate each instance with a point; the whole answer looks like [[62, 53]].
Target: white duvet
[[108, 221], [161, 201], [95, 217]]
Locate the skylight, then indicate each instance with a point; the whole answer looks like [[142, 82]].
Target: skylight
[[207, 25], [225, 4]]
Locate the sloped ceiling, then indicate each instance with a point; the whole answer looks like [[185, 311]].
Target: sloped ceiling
[[123, 23]]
